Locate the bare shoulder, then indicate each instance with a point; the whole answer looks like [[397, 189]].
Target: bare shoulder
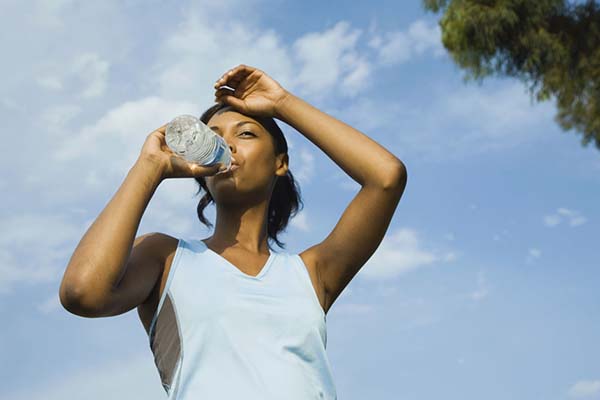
[[310, 259], [155, 246]]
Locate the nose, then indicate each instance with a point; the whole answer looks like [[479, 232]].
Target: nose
[[232, 150]]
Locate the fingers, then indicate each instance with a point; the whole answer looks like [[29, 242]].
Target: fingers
[[221, 93], [224, 92], [227, 96], [232, 101], [234, 76], [162, 129]]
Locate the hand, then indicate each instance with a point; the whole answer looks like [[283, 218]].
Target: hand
[[252, 91], [170, 164]]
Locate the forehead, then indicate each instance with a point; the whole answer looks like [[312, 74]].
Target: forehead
[[228, 116]]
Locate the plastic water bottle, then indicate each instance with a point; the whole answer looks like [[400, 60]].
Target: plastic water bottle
[[190, 138]]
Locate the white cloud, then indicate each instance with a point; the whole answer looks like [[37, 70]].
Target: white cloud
[[314, 65], [122, 131], [482, 290], [50, 82], [507, 105], [328, 57], [572, 217], [357, 79], [85, 73], [426, 37], [48, 14], [533, 254], [394, 49], [399, 253], [199, 52], [129, 378], [305, 169], [398, 47], [91, 163], [51, 237], [55, 119], [317, 65], [63, 47], [585, 389], [455, 124], [92, 71]]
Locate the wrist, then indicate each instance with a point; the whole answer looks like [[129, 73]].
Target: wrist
[[153, 169], [283, 105]]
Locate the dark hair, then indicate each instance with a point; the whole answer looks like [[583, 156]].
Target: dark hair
[[285, 201]]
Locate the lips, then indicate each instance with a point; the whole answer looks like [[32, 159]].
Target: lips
[[233, 166]]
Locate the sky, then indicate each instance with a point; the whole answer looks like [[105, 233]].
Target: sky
[[484, 286]]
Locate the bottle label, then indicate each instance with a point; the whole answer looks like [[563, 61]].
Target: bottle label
[[218, 155]]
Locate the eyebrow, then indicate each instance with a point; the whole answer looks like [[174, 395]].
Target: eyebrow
[[216, 128]]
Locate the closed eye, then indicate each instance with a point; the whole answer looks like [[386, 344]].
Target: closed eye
[[248, 132]]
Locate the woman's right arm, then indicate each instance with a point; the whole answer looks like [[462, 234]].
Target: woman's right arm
[[100, 259], [104, 258]]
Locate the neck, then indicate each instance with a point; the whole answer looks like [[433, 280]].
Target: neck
[[241, 228]]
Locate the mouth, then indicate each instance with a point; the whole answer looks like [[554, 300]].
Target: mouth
[[229, 171]]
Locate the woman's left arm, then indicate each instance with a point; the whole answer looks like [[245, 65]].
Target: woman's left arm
[[253, 92], [362, 226], [362, 158]]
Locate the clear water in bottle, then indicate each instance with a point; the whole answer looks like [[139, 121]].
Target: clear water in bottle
[[190, 138]]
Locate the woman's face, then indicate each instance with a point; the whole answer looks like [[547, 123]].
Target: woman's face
[[253, 149]]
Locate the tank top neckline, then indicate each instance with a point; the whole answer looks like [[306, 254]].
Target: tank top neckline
[[235, 269]]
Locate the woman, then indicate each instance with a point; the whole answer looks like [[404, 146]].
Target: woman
[[226, 317]]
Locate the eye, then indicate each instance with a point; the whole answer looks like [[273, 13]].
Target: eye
[[248, 133]]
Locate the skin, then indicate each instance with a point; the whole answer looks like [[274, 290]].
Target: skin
[[242, 196], [111, 271], [335, 261]]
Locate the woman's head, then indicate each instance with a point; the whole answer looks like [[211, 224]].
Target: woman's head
[[260, 148]]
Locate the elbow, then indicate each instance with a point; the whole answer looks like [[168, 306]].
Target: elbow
[[395, 177], [71, 298]]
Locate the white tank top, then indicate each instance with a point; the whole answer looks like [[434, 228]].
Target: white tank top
[[219, 333]]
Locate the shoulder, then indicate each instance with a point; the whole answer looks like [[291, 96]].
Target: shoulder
[[159, 246]]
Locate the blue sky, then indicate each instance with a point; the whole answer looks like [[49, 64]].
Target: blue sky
[[485, 285]]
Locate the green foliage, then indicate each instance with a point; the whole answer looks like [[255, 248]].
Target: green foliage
[[553, 46]]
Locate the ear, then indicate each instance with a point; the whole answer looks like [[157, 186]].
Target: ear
[[282, 164]]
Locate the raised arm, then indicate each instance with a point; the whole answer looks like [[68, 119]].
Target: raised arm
[[103, 277], [382, 175], [362, 226], [252, 91], [100, 259]]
